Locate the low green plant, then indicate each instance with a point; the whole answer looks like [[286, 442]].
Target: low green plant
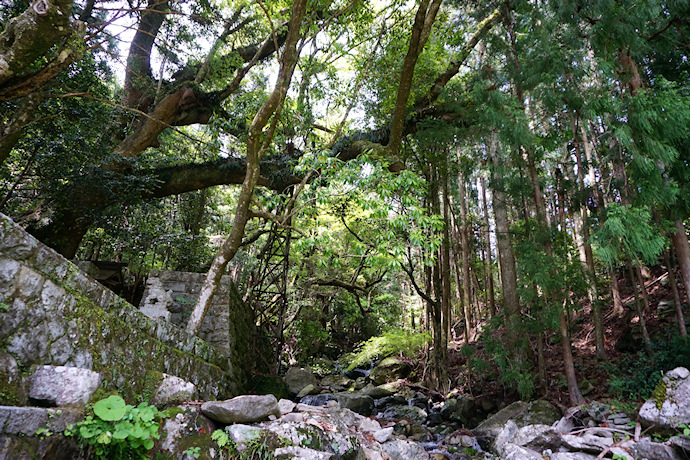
[[390, 343], [193, 452], [118, 430], [686, 430], [260, 448], [4, 307]]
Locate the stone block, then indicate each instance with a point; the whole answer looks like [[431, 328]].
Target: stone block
[[28, 420], [63, 386], [173, 390]]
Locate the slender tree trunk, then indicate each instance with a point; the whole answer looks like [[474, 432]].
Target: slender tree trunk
[[676, 295], [487, 239], [640, 310], [576, 398], [445, 263], [257, 142], [585, 249], [466, 302], [680, 244]]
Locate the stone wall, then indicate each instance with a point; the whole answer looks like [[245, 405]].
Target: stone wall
[[172, 295], [53, 313]]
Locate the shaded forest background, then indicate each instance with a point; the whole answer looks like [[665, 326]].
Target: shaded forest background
[[512, 175]]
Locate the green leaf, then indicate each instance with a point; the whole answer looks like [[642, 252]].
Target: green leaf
[[110, 409]]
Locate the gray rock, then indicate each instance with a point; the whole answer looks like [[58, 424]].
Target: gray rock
[[302, 453], [654, 450], [523, 414], [173, 390], [318, 400], [670, 405], [399, 449], [27, 420], [308, 390], [514, 452], [381, 391], [571, 456], [389, 370], [63, 386], [383, 435], [239, 433], [297, 378], [398, 412], [505, 436], [356, 402], [242, 409], [682, 443], [587, 442], [286, 406], [538, 437], [182, 428], [460, 409], [338, 382]]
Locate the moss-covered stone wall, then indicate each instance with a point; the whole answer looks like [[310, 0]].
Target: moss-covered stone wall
[[53, 313]]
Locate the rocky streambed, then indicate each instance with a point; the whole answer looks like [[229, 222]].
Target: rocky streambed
[[380, 416], [333, 419]]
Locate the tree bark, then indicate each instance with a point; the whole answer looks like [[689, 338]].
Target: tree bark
[[487, 241], [676, 295], [464, 246], [256, 145], [680, 244]]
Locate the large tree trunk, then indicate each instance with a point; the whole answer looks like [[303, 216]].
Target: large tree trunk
[[511, 300], [256, 145]]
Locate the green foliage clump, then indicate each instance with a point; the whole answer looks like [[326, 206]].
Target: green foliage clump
[[260, 447], [390, 343], [636, 377], [118, 430]]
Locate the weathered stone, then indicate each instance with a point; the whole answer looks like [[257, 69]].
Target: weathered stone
[[389, 370], [184, 428], [645, 448], [523, 414], [242, 409], [362, 404], [11, 381], [571, 456], [28, 420], [240, 433], [63, 386], [404, 450], [538, 438], [338, 382], [382, 403], [587, 442], [173, 390], [286, 406], [318, 400], [308, 390], [461, 409], [297, 378], [156, 304], [515, 452], [670, 402], [505, 436], [302, 453], [383, 435], [377, 392], [398, 412]]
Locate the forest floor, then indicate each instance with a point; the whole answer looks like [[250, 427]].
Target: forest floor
[[474, 372]]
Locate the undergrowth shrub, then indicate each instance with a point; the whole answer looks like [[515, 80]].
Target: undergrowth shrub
[[402, 343], [636, 376], [118, 430]]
